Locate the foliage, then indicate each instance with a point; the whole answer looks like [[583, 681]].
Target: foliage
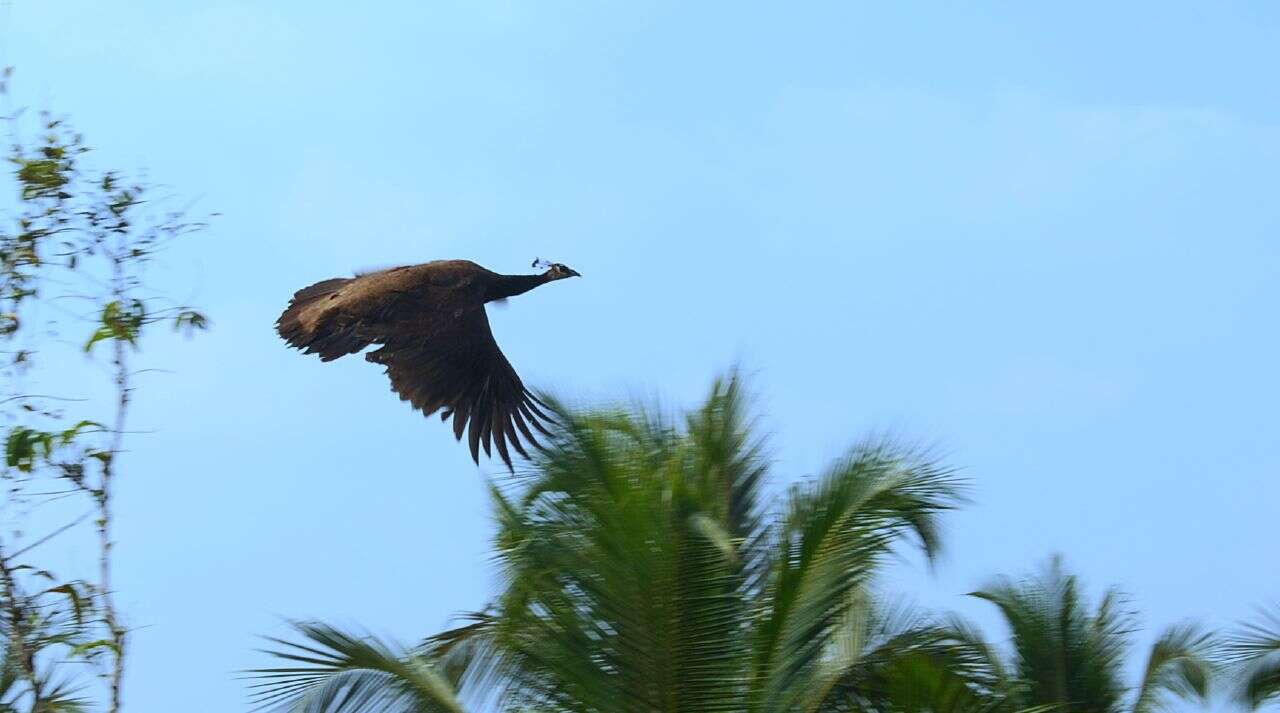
[[346, 672], [52, 622], [1069, 657], [79, 237], [1252, 652], [643, 571]]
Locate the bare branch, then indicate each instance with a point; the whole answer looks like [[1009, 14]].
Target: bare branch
[[52, 535]]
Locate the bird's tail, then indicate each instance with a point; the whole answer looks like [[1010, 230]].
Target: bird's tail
[[309, 324]]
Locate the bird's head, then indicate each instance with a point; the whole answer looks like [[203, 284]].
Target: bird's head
[[556, 270]]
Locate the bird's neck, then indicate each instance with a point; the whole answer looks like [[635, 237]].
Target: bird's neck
[[511, 285]]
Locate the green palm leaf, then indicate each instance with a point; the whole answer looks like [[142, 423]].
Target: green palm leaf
[[1179, 665], [835, 535], [338, 672], [1064, 655], [1253, 653], [1072, 658]]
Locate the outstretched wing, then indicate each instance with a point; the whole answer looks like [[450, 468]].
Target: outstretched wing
[[457, 368]]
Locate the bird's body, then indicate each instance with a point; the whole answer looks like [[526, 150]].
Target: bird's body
[[435, 342]]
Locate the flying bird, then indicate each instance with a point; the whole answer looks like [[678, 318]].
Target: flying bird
[[435, 342]]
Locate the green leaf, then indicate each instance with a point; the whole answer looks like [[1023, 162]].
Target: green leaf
[[188, 321], [339, 672], [77, 603], [119, 321], [70, 434], [41, 178], [25, 446], [99, 334], [1252, 655], [92, 646]]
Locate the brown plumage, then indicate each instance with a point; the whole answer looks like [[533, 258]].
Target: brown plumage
[[435, 342]]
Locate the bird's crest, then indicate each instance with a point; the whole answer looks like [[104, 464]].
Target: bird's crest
[[558, 269]]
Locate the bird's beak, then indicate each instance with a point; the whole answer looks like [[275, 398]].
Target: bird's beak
[[574, 273]]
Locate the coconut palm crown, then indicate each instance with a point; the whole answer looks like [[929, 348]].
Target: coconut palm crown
[[642, 570]]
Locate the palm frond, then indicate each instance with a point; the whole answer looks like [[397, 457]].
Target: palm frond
[[731, 464], [1252, 654], [1064, 655], [469, 657], [1179, 665], [340, 672], [835, 534], [62, 697], [982, 662], [622, 580], [909, 661]]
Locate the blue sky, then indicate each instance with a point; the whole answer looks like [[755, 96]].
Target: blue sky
[[1043, 237]]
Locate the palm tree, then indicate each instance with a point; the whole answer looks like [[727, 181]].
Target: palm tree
[[1069, 658], [1254, 654], [643, 571]]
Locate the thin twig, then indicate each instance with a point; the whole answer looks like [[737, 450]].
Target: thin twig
[[39, 396], [52, 535]]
